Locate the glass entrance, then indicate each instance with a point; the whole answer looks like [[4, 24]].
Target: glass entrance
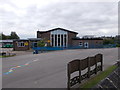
[[86, 45], [34, 44], [59, 38]]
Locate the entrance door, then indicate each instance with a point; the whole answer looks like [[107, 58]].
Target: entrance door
[[34, 44], [86, 45], [59, 38]]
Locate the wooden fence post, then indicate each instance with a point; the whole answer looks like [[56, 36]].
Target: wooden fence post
[[88, 67], [101, 62], [95, 65], [80, 72], [68, 83]]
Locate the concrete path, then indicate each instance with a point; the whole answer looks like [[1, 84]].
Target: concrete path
[[47, 70], [18, 53]]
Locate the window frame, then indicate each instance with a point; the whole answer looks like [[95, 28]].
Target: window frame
[[81, 44], [19, 44]]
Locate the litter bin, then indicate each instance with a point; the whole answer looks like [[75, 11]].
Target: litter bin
[[35, 52], [3, 53]]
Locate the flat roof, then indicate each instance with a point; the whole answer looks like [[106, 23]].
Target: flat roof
[[29, 39], [20, 40], [86, 38], [34, 38], [6, 41]]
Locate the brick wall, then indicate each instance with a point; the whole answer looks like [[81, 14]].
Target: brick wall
[[70, 36], [45, 35], [92, 43], [17, 48]]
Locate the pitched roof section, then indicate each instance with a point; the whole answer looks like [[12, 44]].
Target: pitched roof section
[[57, 29]]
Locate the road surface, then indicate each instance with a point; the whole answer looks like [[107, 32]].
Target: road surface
[[47, 70]]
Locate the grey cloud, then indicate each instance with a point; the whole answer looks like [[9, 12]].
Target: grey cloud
[[80, 17]]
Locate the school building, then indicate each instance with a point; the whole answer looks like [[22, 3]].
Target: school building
[[59, 37]]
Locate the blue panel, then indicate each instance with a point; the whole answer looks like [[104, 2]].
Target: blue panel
[[48, 48], [109, 46]]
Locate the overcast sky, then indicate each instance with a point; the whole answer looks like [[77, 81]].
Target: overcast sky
[[25, 17]]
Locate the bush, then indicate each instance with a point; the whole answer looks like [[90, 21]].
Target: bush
[[108, 41], [41, 43], [118, 45]]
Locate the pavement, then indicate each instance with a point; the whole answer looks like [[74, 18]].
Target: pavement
[[47, 70], [18, 53]]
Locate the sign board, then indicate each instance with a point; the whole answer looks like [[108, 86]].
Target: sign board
[[26, 43], [48, 40]]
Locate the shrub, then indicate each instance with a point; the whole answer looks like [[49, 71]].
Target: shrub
[[41, 43]]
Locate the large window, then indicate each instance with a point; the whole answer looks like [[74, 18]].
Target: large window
[[62, 40], [65, 37], [52, 38], [55, 40], [59, 38], [21, 44]]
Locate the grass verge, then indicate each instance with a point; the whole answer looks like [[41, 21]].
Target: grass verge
[[93, 81], [6, 56]]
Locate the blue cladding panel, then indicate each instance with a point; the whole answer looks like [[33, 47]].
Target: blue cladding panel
[[48, 48]]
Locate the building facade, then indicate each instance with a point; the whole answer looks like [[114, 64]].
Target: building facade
[[87, 42], [25, 44], [6, 42], [21, 45], [58, 37]]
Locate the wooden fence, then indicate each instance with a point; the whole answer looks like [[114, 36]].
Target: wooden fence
[[92, 64]]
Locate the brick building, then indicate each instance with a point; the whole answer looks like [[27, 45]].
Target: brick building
[[5, 42], [60, 37], [21, 45], [25, 44], [87, 42]]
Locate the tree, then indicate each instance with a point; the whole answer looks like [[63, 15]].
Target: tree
[[13, 35], [108, 41], [118, 45], [41, 43], [2, 36]]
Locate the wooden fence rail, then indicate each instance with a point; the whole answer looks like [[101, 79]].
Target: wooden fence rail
[[80, 65]]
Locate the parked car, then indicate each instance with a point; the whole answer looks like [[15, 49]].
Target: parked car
[[7, 46]]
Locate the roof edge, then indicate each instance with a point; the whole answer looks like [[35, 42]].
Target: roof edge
[[56, 29]]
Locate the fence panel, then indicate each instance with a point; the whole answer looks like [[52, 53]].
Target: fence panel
[[92, 62], [80, 65], [73, 66], [83, 66], [99, 58], [84, 63]]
